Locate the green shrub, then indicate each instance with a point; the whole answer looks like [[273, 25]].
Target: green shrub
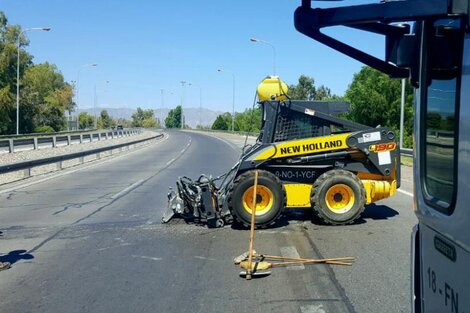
[[43, 129]]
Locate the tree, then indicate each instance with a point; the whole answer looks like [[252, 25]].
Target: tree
[[248, 121], [149, 123], [304, 90], [173, 119], [220, 123], [8, 62], [105, 121], [139, 116], [375, 100], [85, 120], [44, 95]]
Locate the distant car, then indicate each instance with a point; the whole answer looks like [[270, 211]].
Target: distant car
[[119, 127]]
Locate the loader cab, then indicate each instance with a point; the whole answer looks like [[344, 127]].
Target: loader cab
[[433, 51], [296, 119]]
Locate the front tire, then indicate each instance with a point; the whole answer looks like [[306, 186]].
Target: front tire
[[270, 196], [338, 197]]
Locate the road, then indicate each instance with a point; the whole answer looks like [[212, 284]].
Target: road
[[91, 241]]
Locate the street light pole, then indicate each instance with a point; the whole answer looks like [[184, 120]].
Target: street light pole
[[95, 103], [18, 73], [78, 84], [274, 51], [161, 112], [233, 96], [183, 83], [200, 102]]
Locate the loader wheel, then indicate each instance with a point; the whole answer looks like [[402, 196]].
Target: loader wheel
[[270, 199], [338, 197]]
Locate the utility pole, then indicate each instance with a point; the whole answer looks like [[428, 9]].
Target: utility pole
[[183, 84], [161, 112], [233, 96]]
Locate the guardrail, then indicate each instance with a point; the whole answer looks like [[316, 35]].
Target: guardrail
[[406, 152], [40, 142], [28, 165], [64, 132]]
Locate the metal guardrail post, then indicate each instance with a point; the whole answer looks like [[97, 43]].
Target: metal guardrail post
[[35, 143], [11, 146], [81, 138], [27, 172], [69, 141], [54, 141], [59, 165], [99, 136]]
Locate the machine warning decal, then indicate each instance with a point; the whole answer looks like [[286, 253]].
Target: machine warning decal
[[383, 147], [369, 137], [310, 112], [384, 157]]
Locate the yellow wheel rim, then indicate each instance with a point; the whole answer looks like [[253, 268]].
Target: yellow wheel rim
[[340, 198], [264, 200]]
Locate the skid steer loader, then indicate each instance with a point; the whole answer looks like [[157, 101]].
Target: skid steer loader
[[306, 157]]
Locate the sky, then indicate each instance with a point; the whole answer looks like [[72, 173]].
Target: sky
[[144, 46]]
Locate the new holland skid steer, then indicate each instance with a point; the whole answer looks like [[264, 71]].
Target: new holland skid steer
[[306, 157]]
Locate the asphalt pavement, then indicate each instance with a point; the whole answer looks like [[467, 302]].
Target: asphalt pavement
[[90, 240]]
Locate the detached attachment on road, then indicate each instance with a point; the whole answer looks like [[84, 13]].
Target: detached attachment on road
[[196, 202]]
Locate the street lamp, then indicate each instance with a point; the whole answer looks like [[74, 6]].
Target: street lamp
[[78, 79], [95, 102], [274, 51], [200, 102], [183, 83], [233, 96], [18, 73]]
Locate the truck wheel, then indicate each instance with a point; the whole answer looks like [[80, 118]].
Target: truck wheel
[[338, 197], [270, 199]]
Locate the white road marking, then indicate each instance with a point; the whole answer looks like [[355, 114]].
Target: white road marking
[[405, 192], [291, 252], [316, 308], [204, 258], [112, 247], [127, 189], [171, 161], [147, 257], [182, 151]]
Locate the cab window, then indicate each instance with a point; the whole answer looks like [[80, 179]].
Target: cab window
[[440, 118]]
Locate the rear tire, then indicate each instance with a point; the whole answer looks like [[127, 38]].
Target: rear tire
[[271, 199], [338, 197]]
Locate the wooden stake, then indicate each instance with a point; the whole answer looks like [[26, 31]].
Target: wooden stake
[[252, 229]]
